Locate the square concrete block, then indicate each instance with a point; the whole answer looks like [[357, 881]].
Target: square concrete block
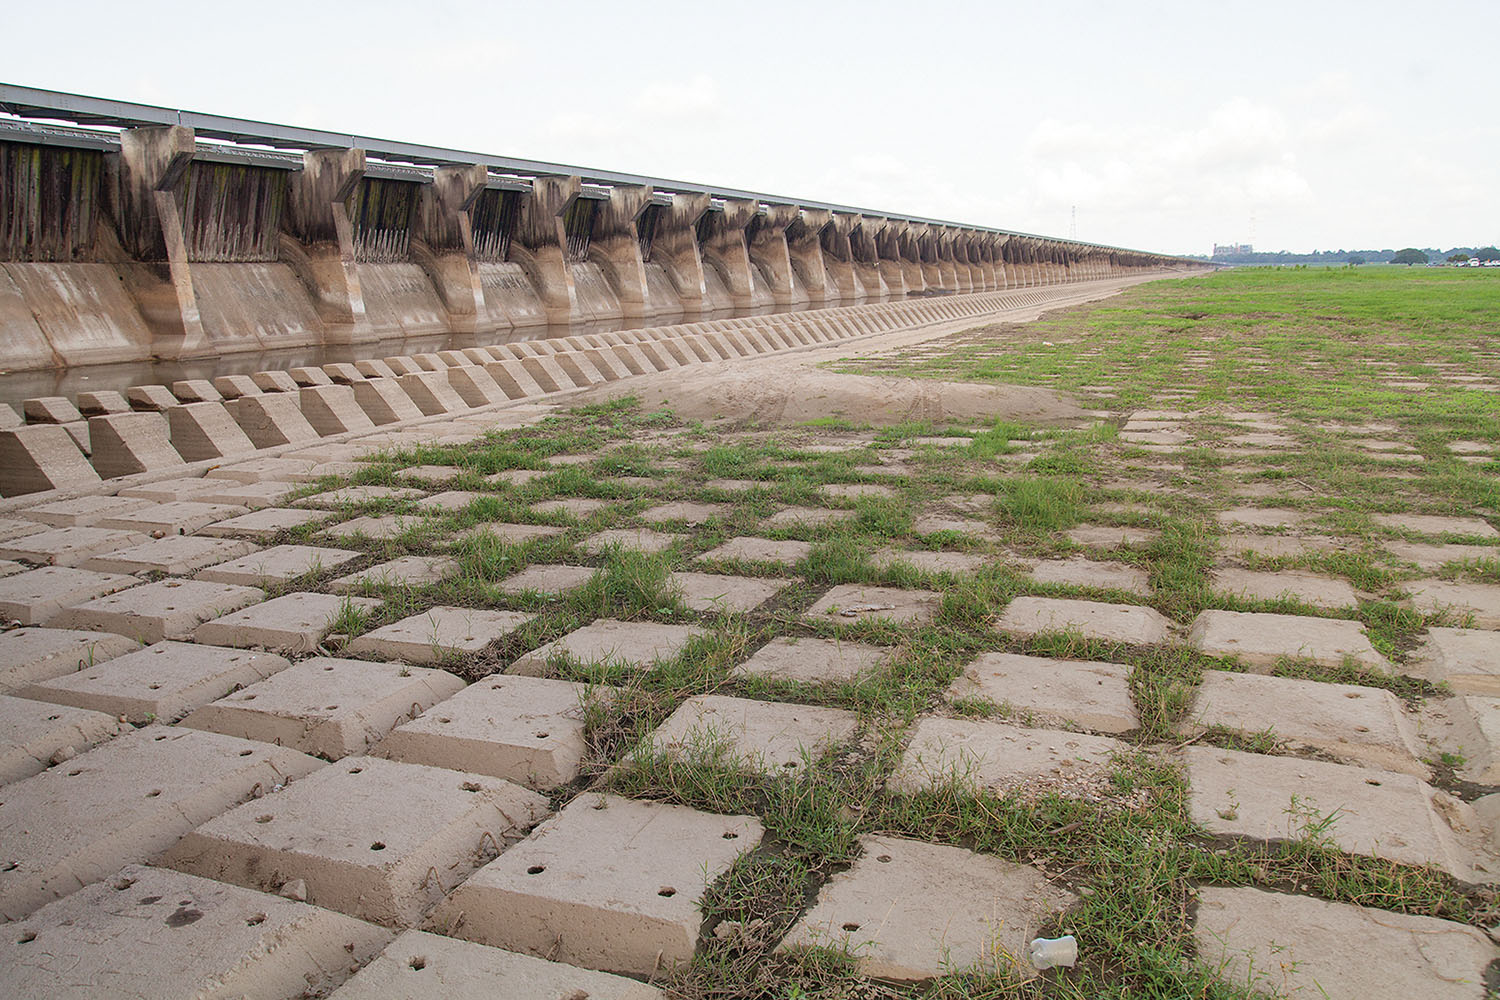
[[438, 634], [36, 596], [373, 838], [766, 737], [1476, 732], [608, 883], [1432, 524], [606, 641], [812, 661], [715, 593], [81, 512], [806, 517], [168, 490], [1027, 616], [1358, 725], [1259, 640], [1467, 659], [418, 964], [28, 655], [449, 501], [759, 550], [359, 494], [169, 609], [1383, 814], [1096, 536], [329, 707], [1261, 517], [180, 517], [35, 735], [253, 496], [1003, 758], [289, 470], [575, 508], [910, 910], [543, 579], [1063, 693], [1300, 946], [1309, 588], [529, 730], [279, 564], [151, 932], [68, 546], [296, 623], [13, 528], [926, 561], [263, 523], [852, 602], [1458, 598], [510, 534], [174, 554], [379, 528], [1081, 572], [123, 803], [685, 512], [1434, 557], [406, 571], [160, 683], [640, 539]]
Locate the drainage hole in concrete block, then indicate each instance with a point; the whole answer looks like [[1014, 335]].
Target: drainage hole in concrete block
[[259, 918], [246, 753], [445, 720], [731, 835], [265, 818], [327, 668], [1372, 781], [153, 793], [355, 770], [536, 869], [542, 736], [53, 718], [26, 937], [667, 891], [418, 963], [851, 927], [469, 786], [377, 846], [884, 859], [10, 866], [74, 774], [149, 687]]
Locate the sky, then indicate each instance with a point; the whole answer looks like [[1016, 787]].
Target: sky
[[1167, 126]]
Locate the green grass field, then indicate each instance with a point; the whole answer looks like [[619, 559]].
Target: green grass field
[[1329, 360]]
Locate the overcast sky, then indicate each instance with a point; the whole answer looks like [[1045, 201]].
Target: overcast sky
[[1167, 125]]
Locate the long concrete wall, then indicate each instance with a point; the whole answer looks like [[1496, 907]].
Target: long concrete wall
[[149, 244]]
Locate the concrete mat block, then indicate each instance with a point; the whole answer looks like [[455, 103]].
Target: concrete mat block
[[1063, 693], [925, 561], [1432, 557], [805, 517], [1467, 659], [376, 839], [574, 508], [169, 609], [529, 730], [606, 641], [250, 495], [202, 431], [608, 883], [406, 571], [812, 661], [438, 634], [1261, 517], [1081, 572], [11, 528], [511, 534], [1004, 758], [34, 735], [753, 550], [159, 683], [168, 490], [686, 512], [1096, 536], [125, 802], [179, 517], [296, 622], [326, 706], [767, 737], [1128, 623], [175, 554], [715, 593], [37, 596], [28, 655], [263, 523], [1382, 814], [1433, 524], [67, 546], [910, 910], [151, 932], [1300, 946], [82, 512], [853, 602], [1358, 725], [1309, 588], [418, 964], [640, 539], [279, 564], [1259, 640], [1459, 598], [359, 494], [543, 579]]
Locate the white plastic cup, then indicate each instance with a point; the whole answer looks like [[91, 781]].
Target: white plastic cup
[[1047, 953]]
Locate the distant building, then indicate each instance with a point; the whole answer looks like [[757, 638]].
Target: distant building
[[1232, 249]]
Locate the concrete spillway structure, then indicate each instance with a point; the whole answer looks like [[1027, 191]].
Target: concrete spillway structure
[[170, 235]]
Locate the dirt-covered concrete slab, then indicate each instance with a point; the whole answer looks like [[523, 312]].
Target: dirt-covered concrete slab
[[763, 736], [35, 735], [1259, 640], [1004, 758], [852, 602], [607, 641], [812, 661], [438, 634], [36, 596], [1141, 626], [295, 623], [151, 612], [1054, 693]]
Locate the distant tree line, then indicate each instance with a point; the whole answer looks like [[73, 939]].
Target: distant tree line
[[1408, 255]]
